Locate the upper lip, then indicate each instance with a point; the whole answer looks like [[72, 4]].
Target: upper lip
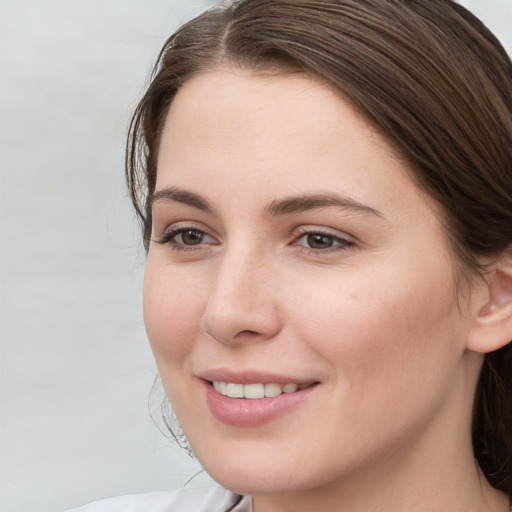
[[250, 377]]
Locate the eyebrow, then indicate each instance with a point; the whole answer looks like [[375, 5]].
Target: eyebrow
[[297, 204], [294, 204], [179, 195]]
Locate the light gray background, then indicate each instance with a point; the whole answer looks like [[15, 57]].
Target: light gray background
[[76, 369]]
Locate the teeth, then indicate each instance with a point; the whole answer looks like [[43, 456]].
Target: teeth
[[255, 391], [220, 387], [235, 390], [273, 390], [290, 388]]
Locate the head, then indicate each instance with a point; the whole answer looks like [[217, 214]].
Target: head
[[434, 86]]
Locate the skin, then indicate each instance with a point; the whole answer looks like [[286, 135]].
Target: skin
[[374, 319]]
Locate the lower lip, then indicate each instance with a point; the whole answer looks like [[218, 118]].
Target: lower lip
[[244, 412]]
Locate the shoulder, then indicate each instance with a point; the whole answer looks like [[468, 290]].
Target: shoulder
[[210, 499]]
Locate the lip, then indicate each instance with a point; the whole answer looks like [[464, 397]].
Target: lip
[[247, 413], [250, 377]]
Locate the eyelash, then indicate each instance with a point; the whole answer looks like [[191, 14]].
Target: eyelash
[[340, 244]]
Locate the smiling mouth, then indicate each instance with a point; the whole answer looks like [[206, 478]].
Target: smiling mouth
[[257, 391]]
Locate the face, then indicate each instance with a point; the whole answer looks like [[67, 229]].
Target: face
[[299, 294]]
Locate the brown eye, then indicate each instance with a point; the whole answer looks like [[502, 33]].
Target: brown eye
[[319, 241], [190, 237], [322, 242], [186, 238]]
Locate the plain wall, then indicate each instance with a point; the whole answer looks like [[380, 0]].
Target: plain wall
[[76, 369]]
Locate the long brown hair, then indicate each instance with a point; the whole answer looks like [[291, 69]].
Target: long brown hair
[[430, 75]]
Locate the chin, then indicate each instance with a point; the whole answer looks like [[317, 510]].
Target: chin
[[259, 472]]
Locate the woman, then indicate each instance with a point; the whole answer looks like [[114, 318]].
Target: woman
[[325, 189]]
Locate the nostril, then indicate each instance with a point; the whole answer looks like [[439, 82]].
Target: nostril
[[247, 333]]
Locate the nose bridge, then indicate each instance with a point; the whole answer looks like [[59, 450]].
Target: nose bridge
[[241, 299]]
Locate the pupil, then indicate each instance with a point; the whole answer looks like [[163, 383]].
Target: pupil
[[191, 237], [319, 241]]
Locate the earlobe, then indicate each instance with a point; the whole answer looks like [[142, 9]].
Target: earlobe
[[492, 328]]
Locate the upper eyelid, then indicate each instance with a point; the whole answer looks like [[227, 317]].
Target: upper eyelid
[[176, 230], [182, 225], [322, 233], [335, 233]]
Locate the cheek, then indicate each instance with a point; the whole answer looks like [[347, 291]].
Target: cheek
[[391, 354], [172, 312], [379, 325]]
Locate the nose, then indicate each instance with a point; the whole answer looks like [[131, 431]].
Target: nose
[[242, 304]]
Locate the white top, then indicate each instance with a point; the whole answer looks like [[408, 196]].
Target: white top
[[210, 499]]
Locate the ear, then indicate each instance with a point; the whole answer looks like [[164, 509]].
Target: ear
[[492, 328]]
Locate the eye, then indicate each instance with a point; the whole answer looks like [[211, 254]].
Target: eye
[[319, 241], [190, 237], [186, 238]]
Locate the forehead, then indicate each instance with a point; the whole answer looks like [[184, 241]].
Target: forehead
[[250, 139], [229, 87], [262, 119]]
